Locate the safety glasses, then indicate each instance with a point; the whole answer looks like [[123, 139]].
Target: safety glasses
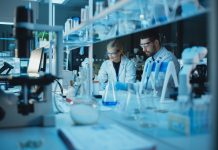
[[145, 45], [113, 53]]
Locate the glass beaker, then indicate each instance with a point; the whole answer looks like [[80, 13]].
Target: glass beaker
[[111, 2], [148, 117], [132, 105]]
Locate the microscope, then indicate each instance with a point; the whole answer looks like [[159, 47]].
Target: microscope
[[191, 57], [30, 107]]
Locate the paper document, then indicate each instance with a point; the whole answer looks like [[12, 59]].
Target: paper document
[[103, 137]]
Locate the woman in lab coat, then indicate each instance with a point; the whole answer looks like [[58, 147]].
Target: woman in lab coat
[[118, 68]]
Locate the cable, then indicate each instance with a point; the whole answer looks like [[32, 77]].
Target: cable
[[57, 102], [59, 84]]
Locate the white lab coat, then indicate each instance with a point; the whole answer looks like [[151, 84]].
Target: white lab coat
[[127, 71], [166, 56]]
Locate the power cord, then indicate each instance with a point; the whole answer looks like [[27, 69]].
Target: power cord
[[60, 104], [59, 84]]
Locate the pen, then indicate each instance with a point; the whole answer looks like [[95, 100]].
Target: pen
[[66, 140]]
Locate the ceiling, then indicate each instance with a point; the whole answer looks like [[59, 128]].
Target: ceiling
[[67, 3], [76, 3], [69, 8]]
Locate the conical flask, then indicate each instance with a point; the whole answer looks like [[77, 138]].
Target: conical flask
[[110, 95]]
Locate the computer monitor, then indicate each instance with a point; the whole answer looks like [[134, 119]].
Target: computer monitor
[[36, 61]]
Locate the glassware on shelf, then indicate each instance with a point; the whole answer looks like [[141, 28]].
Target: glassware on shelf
[[111, 2], [99, 6], [127, 17], [75, 22], [127, 26], [84, 14], [68, 25], [104, 31], [160, 13], [189, 7]]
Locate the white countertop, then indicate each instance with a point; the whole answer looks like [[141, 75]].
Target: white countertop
[[47, 137]]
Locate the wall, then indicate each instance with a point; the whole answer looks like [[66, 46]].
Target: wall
[[40, 11], [8, 8], [61, 14]]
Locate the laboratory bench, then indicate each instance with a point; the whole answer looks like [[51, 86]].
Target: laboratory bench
[[158, 135]]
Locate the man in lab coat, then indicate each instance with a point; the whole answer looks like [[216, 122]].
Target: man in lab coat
[[151, 45], [118, 68]]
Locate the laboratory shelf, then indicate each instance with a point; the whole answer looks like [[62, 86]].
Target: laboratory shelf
[[8, 39], [73, 45], [98, 17], [128, 17]]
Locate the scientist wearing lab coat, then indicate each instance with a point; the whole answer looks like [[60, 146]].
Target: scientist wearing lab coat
[[151, 46], [118, 68]]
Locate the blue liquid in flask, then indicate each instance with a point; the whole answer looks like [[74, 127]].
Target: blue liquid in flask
[[109, 103]]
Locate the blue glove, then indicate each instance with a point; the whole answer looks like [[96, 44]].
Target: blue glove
[[121, 86]]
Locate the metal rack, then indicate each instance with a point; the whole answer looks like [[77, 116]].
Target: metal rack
[[129, 12]]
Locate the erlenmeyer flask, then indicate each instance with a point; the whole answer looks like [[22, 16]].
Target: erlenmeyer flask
[[110, 95]]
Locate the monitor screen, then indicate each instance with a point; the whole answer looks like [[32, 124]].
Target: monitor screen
[[35, 61]]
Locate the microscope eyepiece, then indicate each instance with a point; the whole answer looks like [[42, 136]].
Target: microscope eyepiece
[[23, 36]]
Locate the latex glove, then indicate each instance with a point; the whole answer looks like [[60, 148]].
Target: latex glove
[[121, 86]]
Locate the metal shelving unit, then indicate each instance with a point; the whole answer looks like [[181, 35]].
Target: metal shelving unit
[[124, 18]]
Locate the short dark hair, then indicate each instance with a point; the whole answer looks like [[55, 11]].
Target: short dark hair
[[152, 34]]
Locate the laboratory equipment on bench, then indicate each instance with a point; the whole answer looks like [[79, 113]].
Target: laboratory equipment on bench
[[199, 79], [192, 118], [190, 57], [191, 115], [84, 86], [152, 71], [170, 72], [109, 98], [84, 114], [6, 68], [132, 104], [148, 71], [28, 108]]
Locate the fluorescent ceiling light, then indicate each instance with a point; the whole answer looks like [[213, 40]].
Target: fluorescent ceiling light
[[6, 23], [57, 1], [47, 1]]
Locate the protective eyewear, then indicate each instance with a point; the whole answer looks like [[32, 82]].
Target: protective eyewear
[[145, 45], [113, 53]]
